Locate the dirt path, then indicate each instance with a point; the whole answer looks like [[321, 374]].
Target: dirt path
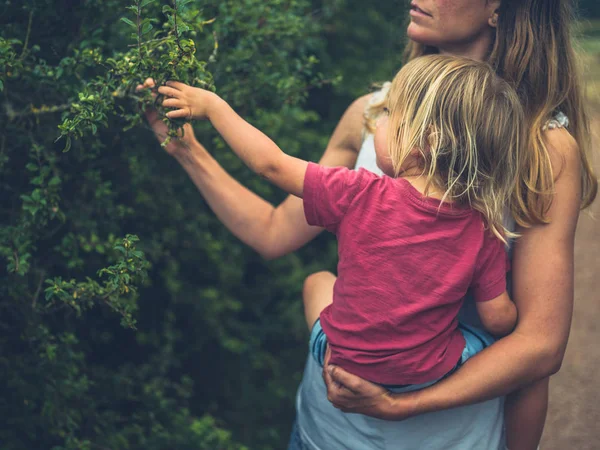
[[574, 416]]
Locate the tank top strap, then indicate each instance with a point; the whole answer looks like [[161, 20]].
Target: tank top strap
[[377, 97], [560, 120]]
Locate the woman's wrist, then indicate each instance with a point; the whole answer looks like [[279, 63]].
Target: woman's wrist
[[401, 406], [191, 154]]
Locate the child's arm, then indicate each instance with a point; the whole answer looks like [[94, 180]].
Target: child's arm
[[253, 147], [499, 315]]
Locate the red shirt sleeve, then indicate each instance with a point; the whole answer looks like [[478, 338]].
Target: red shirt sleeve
[[489, 280], [328, 192]]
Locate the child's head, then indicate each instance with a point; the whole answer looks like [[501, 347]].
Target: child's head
[[459, 125]]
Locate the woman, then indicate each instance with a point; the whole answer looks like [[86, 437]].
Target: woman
[[528, 42]]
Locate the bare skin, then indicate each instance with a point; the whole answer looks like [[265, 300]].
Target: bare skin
[[317, 295]]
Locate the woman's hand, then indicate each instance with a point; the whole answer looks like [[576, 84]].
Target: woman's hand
[[187, 138], [352, 394]]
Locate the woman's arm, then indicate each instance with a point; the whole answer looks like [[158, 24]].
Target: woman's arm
[[271, 231], [543, 291]]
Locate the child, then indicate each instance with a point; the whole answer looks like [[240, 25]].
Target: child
[[413, 242]]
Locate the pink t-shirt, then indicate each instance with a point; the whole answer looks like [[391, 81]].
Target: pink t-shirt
[[405, 264]]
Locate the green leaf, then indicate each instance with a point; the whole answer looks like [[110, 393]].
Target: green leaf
[[67, 145], [37, 180], [1, 85], [146, 28], [128, 22], [146, 2]]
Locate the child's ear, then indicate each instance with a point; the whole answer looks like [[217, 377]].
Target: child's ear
[[432, 140]]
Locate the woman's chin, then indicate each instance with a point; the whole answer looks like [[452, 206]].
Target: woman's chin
[[420, 35]]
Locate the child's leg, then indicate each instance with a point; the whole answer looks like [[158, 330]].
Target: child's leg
[[525, 415], [317, 294]]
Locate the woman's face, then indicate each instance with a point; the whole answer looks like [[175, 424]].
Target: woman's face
[[454, 26]]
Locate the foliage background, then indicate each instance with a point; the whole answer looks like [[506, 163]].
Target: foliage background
[[184, 339]]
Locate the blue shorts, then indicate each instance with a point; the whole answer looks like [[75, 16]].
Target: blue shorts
[[475, 341]]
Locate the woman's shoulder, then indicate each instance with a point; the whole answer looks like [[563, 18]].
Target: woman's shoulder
[[360, 104], [355, 111], [563, 150], [348, 132], [562, 147]]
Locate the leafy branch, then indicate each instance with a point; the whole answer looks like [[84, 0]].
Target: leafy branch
[[118, 291], [164, 54]]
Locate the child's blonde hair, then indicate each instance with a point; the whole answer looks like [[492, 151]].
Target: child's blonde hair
[[466, 125]]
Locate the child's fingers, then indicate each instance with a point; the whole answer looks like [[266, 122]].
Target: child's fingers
[[169, 92], [176, 85], [185, 113], [173, 103], [149, 83]]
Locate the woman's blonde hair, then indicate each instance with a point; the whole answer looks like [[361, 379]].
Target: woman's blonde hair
[[465, 125], [533, 51]]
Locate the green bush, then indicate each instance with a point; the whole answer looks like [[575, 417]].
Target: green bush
[[130, 317]]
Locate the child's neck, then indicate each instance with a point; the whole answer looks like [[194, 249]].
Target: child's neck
[[416, 178]]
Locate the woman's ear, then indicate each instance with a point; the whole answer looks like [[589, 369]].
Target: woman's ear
[[493, 20], [493, 7]]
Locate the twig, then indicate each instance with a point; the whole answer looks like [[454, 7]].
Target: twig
[[213, 55], [139, 31], [175, 25], [44, 109], [38, 290], [27, 35], [3, 145], [150, 41]]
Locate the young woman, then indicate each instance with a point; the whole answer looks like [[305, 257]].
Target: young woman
[[528, 43]]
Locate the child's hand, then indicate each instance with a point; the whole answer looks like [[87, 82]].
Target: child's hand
[[176, 146], [189, 102]]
